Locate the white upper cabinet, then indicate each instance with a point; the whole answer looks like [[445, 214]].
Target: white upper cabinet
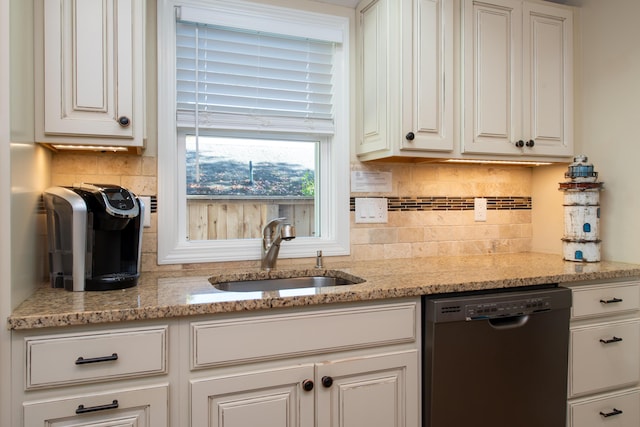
[[405, 78], [90, 89], [518, 87], [464, 79]]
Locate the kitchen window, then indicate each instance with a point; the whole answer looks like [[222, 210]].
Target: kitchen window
[[252, 125]]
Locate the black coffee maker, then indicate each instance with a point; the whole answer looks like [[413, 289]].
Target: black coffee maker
[[95, 237]]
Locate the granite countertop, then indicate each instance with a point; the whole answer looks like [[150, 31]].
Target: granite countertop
[[189, 293]]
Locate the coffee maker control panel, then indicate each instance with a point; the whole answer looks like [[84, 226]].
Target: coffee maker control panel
[[116, 201], [119, 198]]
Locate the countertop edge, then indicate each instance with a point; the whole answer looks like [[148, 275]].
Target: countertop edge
[[378, 290]]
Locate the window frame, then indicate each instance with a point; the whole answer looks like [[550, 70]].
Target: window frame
[[173, 246]]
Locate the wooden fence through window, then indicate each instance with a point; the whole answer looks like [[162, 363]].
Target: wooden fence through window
[[220, 219]]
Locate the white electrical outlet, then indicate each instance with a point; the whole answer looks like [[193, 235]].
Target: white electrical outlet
[[371, 210], [480, 209], [146, 200]]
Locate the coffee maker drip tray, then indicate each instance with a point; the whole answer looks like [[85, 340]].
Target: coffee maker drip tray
[[112, 281]]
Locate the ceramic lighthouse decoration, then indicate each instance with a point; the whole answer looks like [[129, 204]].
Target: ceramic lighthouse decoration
[[581, 240]]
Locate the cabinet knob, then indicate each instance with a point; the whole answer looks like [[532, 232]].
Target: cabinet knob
[[410, 136], [124, 121], [307, 385], [520, 143], [530, 143], [327, 381]]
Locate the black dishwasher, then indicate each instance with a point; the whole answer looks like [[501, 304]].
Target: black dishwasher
[[496, 359]]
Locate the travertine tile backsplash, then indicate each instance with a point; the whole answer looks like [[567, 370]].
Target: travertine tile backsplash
[[430, 228], [442, 219]]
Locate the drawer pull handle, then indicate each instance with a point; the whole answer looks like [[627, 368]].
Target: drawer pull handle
[[612, 413], [611, 301], [614, 339], [82, 361], [113, 405]]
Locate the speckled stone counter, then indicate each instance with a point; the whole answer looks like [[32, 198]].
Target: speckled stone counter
[[189, 293]]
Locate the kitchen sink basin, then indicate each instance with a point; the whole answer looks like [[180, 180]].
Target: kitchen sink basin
[[276, 284]]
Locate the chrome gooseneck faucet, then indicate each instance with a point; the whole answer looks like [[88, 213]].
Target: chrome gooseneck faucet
[[273, 233]]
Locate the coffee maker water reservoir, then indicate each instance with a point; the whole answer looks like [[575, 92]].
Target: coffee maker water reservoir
[[95, 237]]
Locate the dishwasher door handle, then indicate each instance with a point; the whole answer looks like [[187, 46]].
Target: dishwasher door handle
[[510, 322]]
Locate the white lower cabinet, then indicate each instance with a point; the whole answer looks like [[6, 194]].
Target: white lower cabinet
[[604, 355], [370, 381], [91, 376], [270, 398], [363, 391], [347, 365], [140, 407], [375, 391], [615, 409]]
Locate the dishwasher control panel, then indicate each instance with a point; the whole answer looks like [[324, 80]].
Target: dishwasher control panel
[[494, 305], [491, 310]]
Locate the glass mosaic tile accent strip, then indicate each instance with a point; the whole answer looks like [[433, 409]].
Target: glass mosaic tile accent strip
[[441, 203]]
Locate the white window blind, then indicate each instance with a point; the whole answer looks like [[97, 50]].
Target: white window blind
[[236, 79]]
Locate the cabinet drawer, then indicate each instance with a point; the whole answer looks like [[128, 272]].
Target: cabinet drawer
[[619, 410], [138, 407], [270, 337], [72, 359], [602, 300], [604, 356]]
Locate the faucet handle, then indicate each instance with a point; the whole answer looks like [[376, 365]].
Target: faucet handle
[[274, 222]]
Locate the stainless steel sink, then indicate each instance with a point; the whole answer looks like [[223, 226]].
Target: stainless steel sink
[[265, 285]]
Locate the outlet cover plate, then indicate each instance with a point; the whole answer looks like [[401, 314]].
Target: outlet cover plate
[[146, 200], [480, 209]]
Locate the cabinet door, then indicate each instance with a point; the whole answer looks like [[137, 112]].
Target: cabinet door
[[274, 398], [376, 55], [92, 69], [144, 407], [493, 76], [406, 70], [376, 391], [547, 80], [518, 97], [427, 76]]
